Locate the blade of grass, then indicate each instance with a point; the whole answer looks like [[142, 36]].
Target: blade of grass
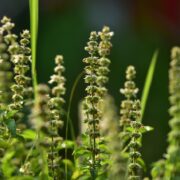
[[69, 120], [34, 11], [148, 82]]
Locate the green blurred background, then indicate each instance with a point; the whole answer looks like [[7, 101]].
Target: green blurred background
[[140, 28]]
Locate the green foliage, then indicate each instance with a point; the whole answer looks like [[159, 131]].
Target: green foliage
[[32, 144], [28, 134]]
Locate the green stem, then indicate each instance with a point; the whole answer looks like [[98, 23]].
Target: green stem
[[94, 139], [34, 6], [94, 147], [69, 120]]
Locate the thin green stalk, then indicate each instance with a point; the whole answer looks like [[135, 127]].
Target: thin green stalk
[[34, 6], [31, 149], [94, 147], [148, 82], [69, 120]]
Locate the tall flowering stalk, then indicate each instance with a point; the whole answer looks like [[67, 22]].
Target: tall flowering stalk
[[96, 71], [24, 67], [6, 79], [130, 125], [56, 123], [169, 167], [19, 55], [21, 61], [130, 92], [46, 119], [14, 56], [173, 151], [91, 100], [8, 39], [103, 62], [135, 167], [6, 76]]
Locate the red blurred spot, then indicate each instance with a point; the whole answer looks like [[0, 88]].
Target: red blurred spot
[[171, 9]]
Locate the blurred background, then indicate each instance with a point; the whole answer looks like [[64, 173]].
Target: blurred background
[[140, 28]]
